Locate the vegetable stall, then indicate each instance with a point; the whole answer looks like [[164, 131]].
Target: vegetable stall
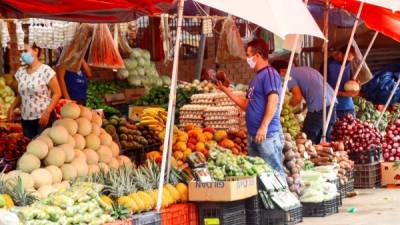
[[149, 149]]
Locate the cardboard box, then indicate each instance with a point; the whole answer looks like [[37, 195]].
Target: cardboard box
[[235, 188], [136, 111], [115, 99], [133, 94], [390, 173]]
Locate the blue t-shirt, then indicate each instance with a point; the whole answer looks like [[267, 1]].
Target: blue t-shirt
[[344, 103], [77, 84], [310, 82], [265, 82]]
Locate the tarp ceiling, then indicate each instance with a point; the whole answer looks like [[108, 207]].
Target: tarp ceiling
[[376, 18], [83, 10]]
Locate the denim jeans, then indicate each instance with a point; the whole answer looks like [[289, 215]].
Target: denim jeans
[[342, 113], [313, 125], [270, 150]]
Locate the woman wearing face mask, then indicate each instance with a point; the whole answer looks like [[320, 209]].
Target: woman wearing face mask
[[38, 93]]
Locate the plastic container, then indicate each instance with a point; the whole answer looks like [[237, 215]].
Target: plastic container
[[177, 214], [280, 217], [367, 175], [253, 203], [193, 214], [149, 218], [374, 155], [221, 213], [254, 217], [322, 209]]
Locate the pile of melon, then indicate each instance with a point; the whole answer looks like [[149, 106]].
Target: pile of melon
[[74, 146]]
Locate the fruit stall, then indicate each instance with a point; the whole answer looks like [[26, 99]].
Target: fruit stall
[[148, 149]]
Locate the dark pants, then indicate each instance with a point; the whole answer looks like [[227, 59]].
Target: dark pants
[[31, 128], [342, 113], [313, 125]]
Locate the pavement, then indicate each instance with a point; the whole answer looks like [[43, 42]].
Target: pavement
[[373, 207]]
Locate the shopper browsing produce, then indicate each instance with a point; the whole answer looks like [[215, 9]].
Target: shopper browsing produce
[[345, 98], [74, 85], [38, 93], [307, 83], [261, 106]]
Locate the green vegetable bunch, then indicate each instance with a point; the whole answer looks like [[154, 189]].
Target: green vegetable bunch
[[366, 111]]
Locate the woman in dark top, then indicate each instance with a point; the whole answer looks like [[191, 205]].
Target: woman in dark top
[[74, 85]]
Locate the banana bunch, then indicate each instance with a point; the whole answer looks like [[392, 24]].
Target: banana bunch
[[155, 118]]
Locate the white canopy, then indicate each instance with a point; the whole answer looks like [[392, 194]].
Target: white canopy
[[282, 17], [389, 4]]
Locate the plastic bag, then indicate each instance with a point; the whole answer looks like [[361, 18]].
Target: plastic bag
[[72, 55], [365, 74], [123, 45], [8, 218], [230, 45], [103, 52]]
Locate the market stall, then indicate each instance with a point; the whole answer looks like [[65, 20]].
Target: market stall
[[175, 152]]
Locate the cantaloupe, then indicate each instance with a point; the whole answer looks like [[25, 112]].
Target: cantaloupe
[[71, 141], [28, 162], [70, 110], [91, 156], [80, 142], [85, 112], [105, 154], [95, 129], [113, 164], [46, 139], [68, 151], [80, 155], [12, 175], [27, 181], [38, 148], [45, 131], [59, 135], [62, 185], [94, 168], [104, 167], [102, 131], [92, 141], [56, 173], [82, 168], [84, 126], [124, 160], [41, 177], [56, 157], [106, 139], [67, 123], [114, 149], [46, 190], [96, 119], [69, 172]]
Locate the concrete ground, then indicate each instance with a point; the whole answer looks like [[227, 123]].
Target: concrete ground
[[374, 207]]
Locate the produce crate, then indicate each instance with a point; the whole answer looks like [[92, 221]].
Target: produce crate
[[254, 217], [322, 209], [281, 217], [374, 155], [367, 175], [390, 172], [335, 182], [350, 174], [253, 203], [222, 213], [193, 214], [120, 222], [177, 214], [149, 218]]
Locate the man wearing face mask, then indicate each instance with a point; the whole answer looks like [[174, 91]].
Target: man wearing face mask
[[261, 104]]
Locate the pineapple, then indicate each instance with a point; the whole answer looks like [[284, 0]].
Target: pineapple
[[139, 202], [120, 182], [107, 200], [19, 195], [119, 211], [129, 203], [174, 193], [147, 199], [183, 191]]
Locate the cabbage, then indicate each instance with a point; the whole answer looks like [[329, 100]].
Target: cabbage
[[146, 55], [141, 71], [122, 74], [158, 81], [136, 53], [141, 62], [134, 80], [130, 64], [166, 80], [134, 72]]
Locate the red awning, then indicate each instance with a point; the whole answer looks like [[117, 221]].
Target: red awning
[[83, 10], [376, 18]]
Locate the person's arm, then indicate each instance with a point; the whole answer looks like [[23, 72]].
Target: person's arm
[[297, 97], [56, 95], [61, 81], [270, 110], [348, 93], [14, 105], [86, 69], [239, 101]]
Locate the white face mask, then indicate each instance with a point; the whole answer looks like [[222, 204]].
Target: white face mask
[[251, 62]]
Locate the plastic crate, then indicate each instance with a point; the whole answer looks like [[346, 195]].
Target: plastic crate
[[149, 218], [350, 174], [367, 175], [193, 214], [253, 203], [281, 217], [374, 155], [335, 182], [254, 217], [221, 213], [120, 222], [346, 188], [177, 214], [322, 209]]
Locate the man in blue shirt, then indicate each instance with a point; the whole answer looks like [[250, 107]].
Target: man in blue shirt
[[261, 106], [307, 83], [345, 98]]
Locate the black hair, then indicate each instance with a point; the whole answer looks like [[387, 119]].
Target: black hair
[[34, 47], [259, 46], [280, 64], [344, 48]]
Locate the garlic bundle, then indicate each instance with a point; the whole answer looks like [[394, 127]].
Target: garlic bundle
[[5, 35], [20, 34]]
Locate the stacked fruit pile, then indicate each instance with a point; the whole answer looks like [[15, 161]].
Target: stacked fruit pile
[[7, 97], [74, 146], [289, 121], [293, 163], [155, 118], [12, 145]]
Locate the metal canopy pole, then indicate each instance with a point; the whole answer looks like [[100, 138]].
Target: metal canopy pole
[[388, 101], [366, 54], [324, 105], [171, 104], [342, 68]]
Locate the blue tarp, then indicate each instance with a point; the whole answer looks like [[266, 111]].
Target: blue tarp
[[380, 87]]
